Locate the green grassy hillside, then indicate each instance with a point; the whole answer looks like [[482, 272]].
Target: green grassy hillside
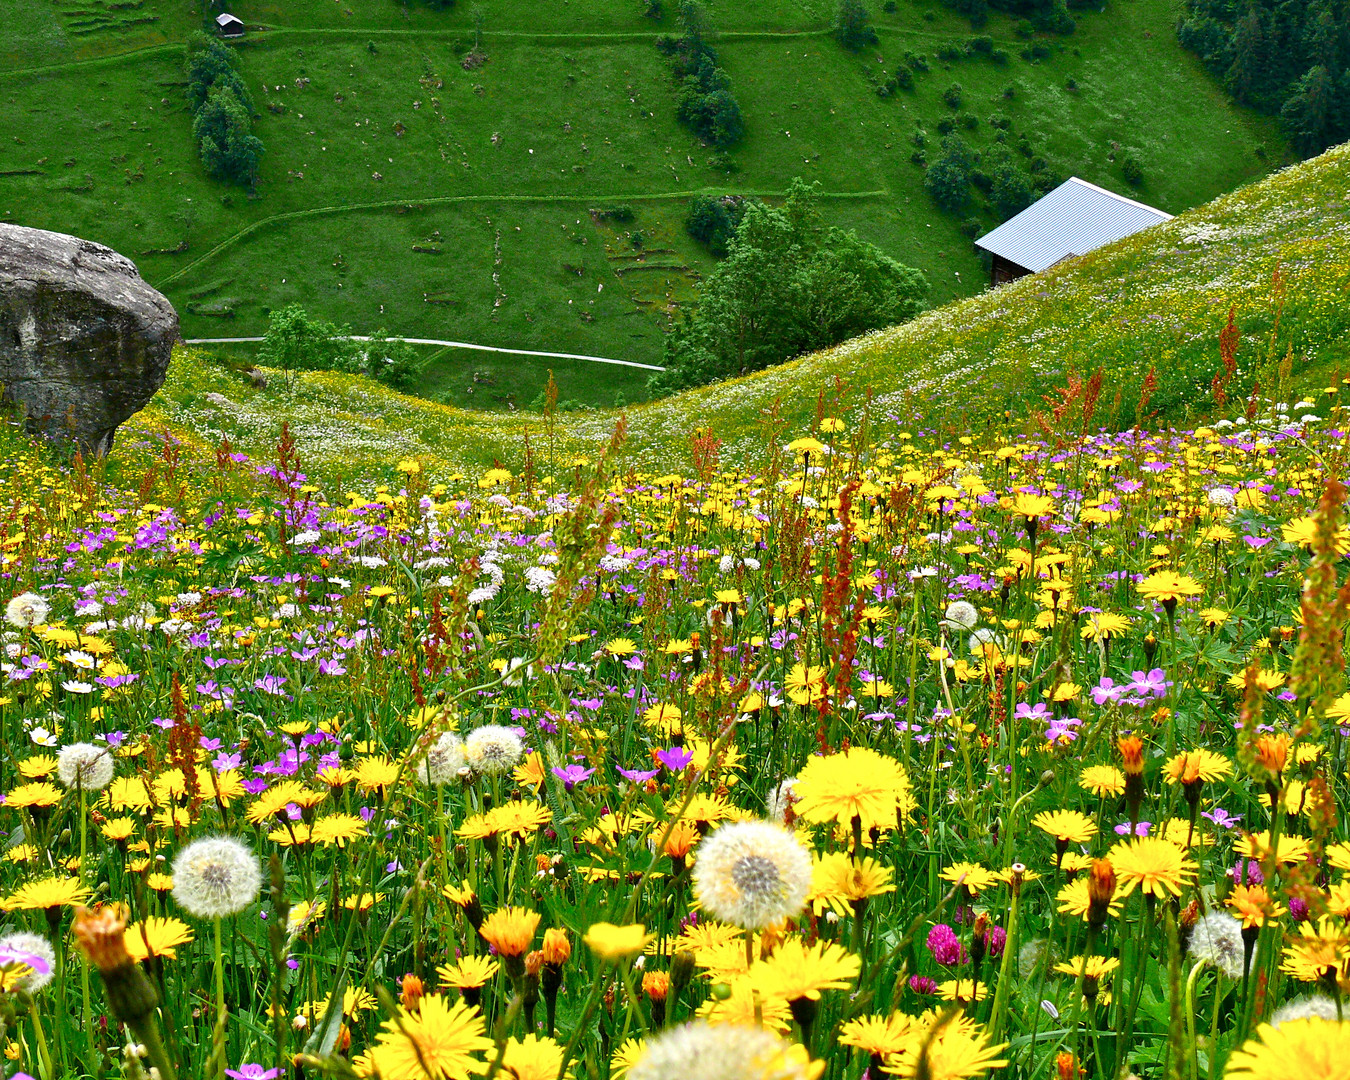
[[1276, 253], [400, 189]]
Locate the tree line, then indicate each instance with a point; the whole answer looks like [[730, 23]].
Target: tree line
[[222, 111], [705, 102], [1284, 57]]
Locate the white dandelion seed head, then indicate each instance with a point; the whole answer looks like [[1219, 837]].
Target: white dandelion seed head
[[1217, 940], [27, 610], [84, 765], [34, 945], [492, 749], [444, 759], [701, 1051], [961, 615], [1031, 955], [752, 874], [780, 798], [216, 876], [1313, 1007]]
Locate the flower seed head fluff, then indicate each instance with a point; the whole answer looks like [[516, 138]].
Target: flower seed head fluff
[[1217, 940], [701, 1051], [444, 759], [85, 765], [215, 876], [26, 611], [961, 615], [1315, 1006], [752, 874], [493, 749], [37, 945], [780, 800]]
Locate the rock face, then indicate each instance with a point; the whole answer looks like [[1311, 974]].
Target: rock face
[[84, 342]]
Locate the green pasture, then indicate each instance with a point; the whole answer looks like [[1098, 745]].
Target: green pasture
[[402, 189]]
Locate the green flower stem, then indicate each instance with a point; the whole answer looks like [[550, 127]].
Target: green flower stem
[[999, 1010], [1192, 1055], [220, 998]]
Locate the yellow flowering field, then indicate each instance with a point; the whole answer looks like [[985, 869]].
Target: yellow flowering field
[[899, 754]]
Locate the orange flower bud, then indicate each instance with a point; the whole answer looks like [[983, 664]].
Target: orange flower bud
[[656, 985], [411, 991], [101, 935], [1101, 887], [557, 949], [1272, 752], [1132, 754], [534, 963]]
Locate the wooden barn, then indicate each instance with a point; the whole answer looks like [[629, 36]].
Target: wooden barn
[[229, 26], [1075, 218]]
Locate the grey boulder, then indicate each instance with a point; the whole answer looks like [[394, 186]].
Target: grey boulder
[[84, 342]]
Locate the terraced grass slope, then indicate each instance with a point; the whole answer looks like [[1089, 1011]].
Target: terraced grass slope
[[1275, 253], [401, 190]]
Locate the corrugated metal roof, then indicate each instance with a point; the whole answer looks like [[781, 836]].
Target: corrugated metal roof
[[1075, 218]]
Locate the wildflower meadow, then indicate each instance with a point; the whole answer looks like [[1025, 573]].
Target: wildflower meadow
[[897, 754]]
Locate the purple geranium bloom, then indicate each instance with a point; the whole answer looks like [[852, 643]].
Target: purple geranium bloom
[[1062, 729], [1154, 682], [1221, 817], [1039, 712], [572, 775], [1141, 828], [638, 776], [675, 759], [1106, 690], [252, 1072], [224, 762]]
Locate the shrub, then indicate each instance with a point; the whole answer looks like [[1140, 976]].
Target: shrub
[[969, 121], [224, 133], [951, 97], [903, 78], [851, 25], [222, 109], [946, 125], [950, 53], [916, 62], [980, 46], [713, 220], [1011, 192], [971, 227], [789, 284], [1132, 170], [948, 179]]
